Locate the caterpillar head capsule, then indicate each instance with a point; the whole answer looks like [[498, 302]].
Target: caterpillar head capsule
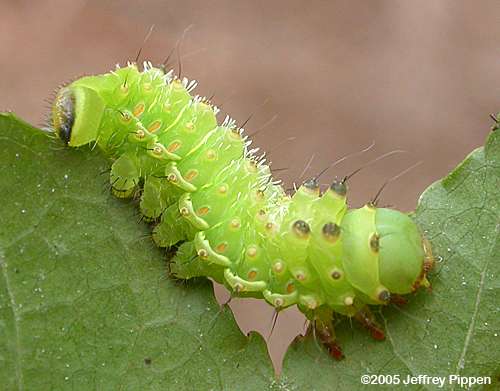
[[76, 115], [402, 252], [384, 252]]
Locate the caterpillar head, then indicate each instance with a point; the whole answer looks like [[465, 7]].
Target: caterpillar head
[[385, 253], [404, 254], [76, 115]]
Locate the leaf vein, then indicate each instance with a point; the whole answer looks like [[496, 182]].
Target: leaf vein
[[19, 374]]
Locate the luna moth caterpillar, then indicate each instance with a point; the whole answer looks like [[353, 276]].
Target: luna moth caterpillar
[[211, 198]]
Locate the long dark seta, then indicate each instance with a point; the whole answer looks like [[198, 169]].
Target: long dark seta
[[399, 175], [383, 156], [348, 156]]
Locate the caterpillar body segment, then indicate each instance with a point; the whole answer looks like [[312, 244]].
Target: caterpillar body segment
[[207, 194]]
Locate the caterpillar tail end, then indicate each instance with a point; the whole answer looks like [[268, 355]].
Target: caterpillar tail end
[[76, 115]]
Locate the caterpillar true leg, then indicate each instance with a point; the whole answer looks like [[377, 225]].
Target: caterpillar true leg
[[398, 300], [326, 334], [368, 321]]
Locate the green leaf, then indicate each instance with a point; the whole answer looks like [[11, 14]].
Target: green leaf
[[455, 329], [85, 301]]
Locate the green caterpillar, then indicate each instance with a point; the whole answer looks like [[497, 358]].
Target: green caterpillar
[[208, 195]]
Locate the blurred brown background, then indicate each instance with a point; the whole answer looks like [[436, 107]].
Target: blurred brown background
[[415, 75]]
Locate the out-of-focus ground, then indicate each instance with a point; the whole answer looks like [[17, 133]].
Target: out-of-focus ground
[[420, 76]]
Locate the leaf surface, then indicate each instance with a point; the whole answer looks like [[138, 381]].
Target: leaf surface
[[85, 301]]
